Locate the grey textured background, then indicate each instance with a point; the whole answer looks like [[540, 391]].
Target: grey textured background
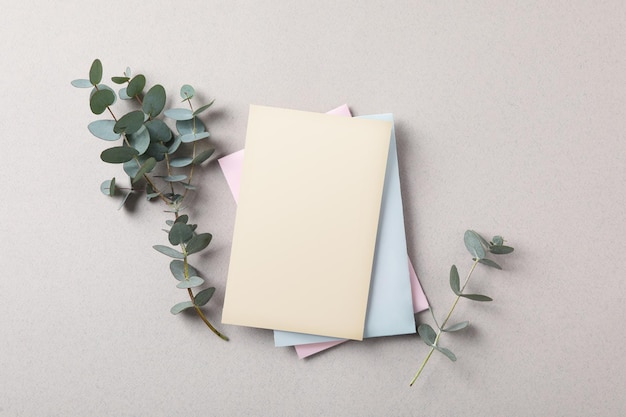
[[510, 120]]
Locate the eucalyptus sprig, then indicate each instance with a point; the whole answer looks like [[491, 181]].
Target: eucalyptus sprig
[[478, 248], [158, 162]]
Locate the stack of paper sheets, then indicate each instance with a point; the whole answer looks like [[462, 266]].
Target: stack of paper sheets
[[319, 249]]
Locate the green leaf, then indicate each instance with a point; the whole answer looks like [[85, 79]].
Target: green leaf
[[180, 162], [500, 250], [203, 108], [192, 137], [179, 233], [131, 168], [179, 114], [181, 306], [154, 101], [192, 125], [473, 244], [157, 151], [446, 352], [175, 145], [178, 270], [147, 167], [123, 94], [454, 280], [189, 186], [136, 85], [159, 131], [427, 334], [82, 83], [182, 219], [490, 263], [204, 296], [190, 283], [198, 243], [476, 297], [203, 156], [103, 129], [124, 199], [140, 140], [166, 250], [118, 154], [95, 72], [497, 241], [456, 327], [100, 100], [130, 122], [175, 178], [108, 187], [120, 80], [187, 92]]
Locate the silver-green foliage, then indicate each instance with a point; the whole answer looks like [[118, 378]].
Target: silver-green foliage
[[478, 247], [158, 161]]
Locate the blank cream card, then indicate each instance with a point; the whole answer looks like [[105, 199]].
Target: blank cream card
[[306, 224]]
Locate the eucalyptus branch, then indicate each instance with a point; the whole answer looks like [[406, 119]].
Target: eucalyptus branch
[[146, 142], [478, 248]]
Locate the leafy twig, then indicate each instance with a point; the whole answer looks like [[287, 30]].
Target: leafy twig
[[478, 248], [147, 141]]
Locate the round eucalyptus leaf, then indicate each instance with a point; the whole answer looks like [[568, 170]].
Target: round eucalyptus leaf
[[187, 92], [178, 270], [108, 187], [166, 250], [82, 83], [100, 100], [498, 241], [179, 114], [180, 162], [183, 218], [156, 151], [103, 129], [120, 80], [427, 334], [203, 108], [127, 72], [454, 280], [194, 124], [198, 243], [476, 297], [145, 168], [203, 156], [154, 101], [129, 123], [191, 282], [204, 296], [95, 72], [192, 137], [159, 131], [118, 154], [101, 87], [446, 352], [124, 199], [175, 145], [456, 327], [136, 85], [490, 263], [140, 140], [181, 307], [189, 186], [179, 233], [474, 244], [123, 94], [175, 178], [131, 168], [500, 250]]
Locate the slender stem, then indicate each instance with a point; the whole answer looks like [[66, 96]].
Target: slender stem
[[445, 321], [193, 298]]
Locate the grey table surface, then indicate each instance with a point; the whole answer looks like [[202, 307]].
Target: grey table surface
[[510, 120]]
